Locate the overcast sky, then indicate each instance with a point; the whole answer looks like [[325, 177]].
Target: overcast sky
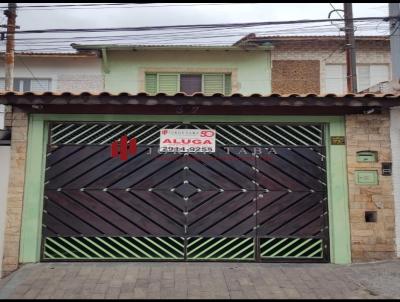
[[160, 14]]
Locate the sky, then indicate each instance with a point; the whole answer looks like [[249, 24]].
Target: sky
[[161, 14]]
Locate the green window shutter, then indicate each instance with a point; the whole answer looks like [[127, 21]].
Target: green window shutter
[[228, 84], [213, 83], [168, 83], [151, 83]]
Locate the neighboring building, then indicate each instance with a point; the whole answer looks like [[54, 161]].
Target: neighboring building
[[317, 64], [188, 69], [42, 72], [56, 72]]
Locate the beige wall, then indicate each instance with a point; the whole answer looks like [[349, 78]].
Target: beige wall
[[15, 192], [4, 173], [374, 240]]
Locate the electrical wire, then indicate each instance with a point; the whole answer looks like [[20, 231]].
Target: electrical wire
[[191, 26], [116, 5], [337, 12], [30, 71]]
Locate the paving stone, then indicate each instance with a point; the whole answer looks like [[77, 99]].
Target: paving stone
[[203, 281]]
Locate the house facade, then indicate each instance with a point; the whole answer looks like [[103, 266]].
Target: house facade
[[187, 69], [292, 178]]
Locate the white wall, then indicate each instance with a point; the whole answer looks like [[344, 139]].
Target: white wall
[[2, 116], [72, 74], [4, 172], [395, 145]]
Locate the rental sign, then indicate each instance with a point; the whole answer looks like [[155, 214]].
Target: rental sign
[[187, 140]]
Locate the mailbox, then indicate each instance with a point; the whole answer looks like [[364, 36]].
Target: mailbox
[[368, 178], [367, 156]]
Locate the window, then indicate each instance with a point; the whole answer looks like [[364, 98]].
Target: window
[[26, 84], [367, 76], [188, 83]]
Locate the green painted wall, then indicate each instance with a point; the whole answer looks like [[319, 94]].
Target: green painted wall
[[34, 178], [254, 68]]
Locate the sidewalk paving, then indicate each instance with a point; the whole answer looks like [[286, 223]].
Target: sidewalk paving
[[203, 281]]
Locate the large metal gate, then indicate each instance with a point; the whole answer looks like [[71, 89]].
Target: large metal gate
[[261, 196]]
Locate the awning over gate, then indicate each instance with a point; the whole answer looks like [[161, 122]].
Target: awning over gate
[[199, 103]]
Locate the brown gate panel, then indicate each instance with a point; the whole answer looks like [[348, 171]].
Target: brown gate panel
[[261, 196]]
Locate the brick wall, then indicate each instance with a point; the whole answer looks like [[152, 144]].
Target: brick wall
[[295, 76], [373, 240], [15, 192], [374, 54], [8, 116]]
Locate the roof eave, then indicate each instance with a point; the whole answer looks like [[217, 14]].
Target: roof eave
[[170, 47]]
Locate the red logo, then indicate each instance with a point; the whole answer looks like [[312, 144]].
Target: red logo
[[122, 147], [164, 132]]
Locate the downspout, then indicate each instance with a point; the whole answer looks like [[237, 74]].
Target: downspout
[[104, 60]]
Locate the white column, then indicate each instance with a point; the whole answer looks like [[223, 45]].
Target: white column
[[395, 145]]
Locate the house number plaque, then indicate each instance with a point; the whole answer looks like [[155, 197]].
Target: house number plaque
[[338, 140]]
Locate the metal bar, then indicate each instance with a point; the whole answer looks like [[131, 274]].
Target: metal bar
[[61, 246], [80, 134], [115, 135], [68, 134], [104, 134], [94, 133]]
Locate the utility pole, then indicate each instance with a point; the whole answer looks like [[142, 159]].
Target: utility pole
[[394, 11], [350, 48], [11, 14]]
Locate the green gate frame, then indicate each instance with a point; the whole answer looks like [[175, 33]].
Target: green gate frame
[[338, 203]]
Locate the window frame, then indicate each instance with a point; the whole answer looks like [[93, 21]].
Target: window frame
[[178, 74], [29, 80]]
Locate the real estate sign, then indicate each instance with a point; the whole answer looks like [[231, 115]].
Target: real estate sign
[[187, 140]]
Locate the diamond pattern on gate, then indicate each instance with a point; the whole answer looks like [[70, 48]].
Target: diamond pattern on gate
[[212, 195]]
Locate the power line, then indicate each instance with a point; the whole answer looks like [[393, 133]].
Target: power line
[[30, 71], [118, 6], [336, 10], [204, 26]]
